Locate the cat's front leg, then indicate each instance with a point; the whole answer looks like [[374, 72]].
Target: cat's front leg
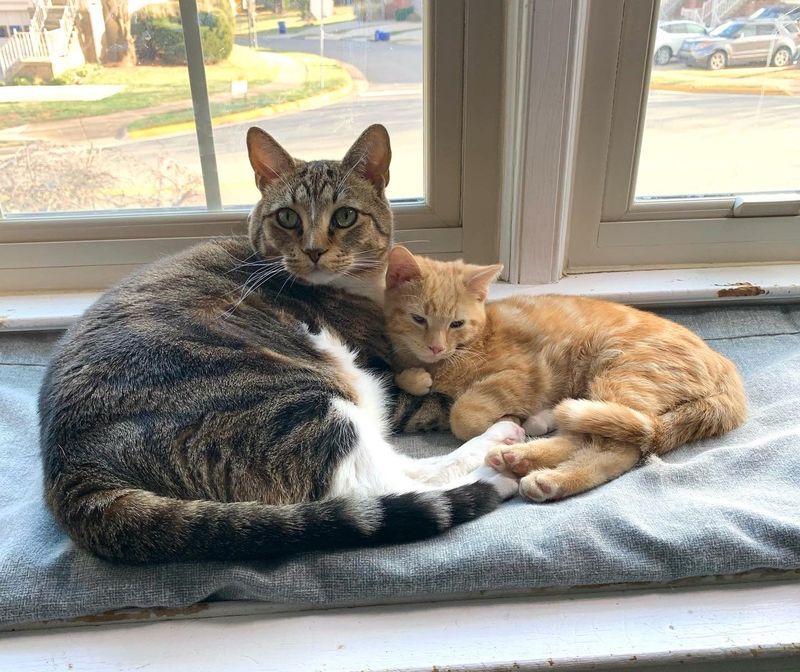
[[459, 466], [410, 413], [499, 395], [416, 381]]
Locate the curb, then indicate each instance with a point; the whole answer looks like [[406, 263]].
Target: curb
[[769, 86], [307, 103], [705, 88]]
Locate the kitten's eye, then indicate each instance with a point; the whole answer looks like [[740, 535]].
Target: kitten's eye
[[457, 324], [287, 218], [344, 218], [418, 319]]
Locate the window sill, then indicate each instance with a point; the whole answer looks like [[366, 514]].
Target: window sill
[[57, 310], [727, 627]]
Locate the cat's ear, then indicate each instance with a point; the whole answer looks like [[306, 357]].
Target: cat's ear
[[479, 278], [268, 158], [370, 156], [402, 267]]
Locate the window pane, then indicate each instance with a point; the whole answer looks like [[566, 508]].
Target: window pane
[[722, 114], [107, 122], [370, 72], [67, 120]]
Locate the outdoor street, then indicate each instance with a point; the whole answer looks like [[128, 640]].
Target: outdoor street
[[326, 132], [686, 150], [694, 142]]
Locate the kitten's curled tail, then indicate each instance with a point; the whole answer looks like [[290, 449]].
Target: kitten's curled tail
[[658, 434], [137, 526]]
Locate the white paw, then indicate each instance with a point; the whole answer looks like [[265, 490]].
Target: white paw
[[538, 486], [540, 423], [506, 487], [504, 431]]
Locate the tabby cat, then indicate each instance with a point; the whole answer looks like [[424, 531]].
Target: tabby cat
[[617, 382], [225, 403]]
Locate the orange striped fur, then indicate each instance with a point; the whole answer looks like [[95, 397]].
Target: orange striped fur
[[616, 382]]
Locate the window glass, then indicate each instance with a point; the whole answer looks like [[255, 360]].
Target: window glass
[[721, 118], [118, 132], [322, 84]]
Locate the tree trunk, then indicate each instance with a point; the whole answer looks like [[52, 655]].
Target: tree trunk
[[118, 45]]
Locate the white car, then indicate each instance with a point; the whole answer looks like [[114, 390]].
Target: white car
[[670, 36]]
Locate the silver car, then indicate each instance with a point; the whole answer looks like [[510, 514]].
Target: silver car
[[744, 41]]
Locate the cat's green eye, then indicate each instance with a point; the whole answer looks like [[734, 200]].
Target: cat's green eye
[[344, 218], [457, 324], [287, 218], [418, 319]]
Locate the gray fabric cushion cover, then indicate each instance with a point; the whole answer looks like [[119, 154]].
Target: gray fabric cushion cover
[[722, 506]]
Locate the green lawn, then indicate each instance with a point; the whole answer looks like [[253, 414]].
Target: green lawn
[[335, 77], [267, 22], [145, 86]]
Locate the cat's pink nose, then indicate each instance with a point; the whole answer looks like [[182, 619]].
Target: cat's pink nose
[[435, 349]]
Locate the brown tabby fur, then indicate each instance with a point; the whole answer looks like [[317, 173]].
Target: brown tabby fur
[[186, 415], [621, 382]]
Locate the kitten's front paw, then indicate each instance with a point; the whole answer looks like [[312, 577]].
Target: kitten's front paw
[[415, 381]]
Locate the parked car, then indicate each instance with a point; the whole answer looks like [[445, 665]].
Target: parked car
[[670, 36], [744, 41]]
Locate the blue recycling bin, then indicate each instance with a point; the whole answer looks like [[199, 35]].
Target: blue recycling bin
[[382, 36], [282, 27]]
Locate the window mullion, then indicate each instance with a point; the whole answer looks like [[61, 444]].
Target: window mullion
[[200, 103]]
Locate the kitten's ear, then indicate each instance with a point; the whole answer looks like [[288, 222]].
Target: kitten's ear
[[480, 277], [268, 158], [370, 156], [402, 267]]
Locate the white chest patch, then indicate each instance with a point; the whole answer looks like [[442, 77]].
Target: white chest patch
[[368, 388]]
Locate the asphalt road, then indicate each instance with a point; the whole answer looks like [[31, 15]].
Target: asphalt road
[[380, 62], [693, 143], [326, 132], [697, 143]]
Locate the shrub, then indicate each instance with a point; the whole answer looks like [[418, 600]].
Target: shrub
[[159, 36], [75, 75]]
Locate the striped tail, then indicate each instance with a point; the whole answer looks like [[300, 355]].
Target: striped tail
[[692, 420], [137, 526]]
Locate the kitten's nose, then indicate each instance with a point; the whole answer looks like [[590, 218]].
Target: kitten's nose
[[314, 254], [435, 349]]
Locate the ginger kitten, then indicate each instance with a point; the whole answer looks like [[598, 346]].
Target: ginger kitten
[[617, 382]]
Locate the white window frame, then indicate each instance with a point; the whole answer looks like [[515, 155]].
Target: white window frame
[[609, 229], [459, 216], [573, 163]]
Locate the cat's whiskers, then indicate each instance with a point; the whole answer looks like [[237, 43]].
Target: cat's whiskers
[[291, 276], [258, 279]]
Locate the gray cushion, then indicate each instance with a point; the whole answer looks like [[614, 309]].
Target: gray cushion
[[719, 507]]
